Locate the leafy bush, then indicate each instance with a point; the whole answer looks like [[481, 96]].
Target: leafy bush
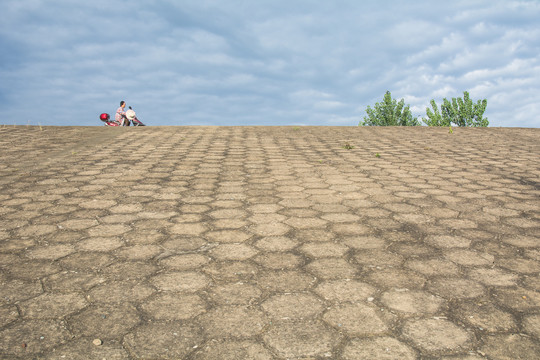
[[460, 112], [389, 113]]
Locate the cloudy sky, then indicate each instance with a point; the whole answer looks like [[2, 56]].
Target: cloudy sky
[[264, 62]]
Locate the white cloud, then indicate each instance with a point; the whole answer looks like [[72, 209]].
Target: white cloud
[[268, 62], [308, 94], [328, 105], [448, 45]]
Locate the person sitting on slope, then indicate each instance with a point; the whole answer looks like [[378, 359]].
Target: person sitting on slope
[[120, 116]]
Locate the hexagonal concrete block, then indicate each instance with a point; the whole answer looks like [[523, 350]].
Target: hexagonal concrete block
[[233, 252], [235, 294], [332, 268], [432, 267], [139, 252], [99, 244], [233, 350], [324, 249], [376, 257], [233, 321], [470, 258], [300, 339], [485, 316], [175, 306], [182, 244], [86, 261], [448, 241], [531, 324], [32, 337], [276, 243], [78, 224], [395, 278], [285, 281], [228, 236], [185, 261], [437, 336], [36, 230], [456, 288], [263, 218], [513, 346], [519, 299], [293, 306], [384, 348], [163, 340], [97, 204], [17, 290], [412, 302], [109, 230], [105, 321], [279, 260], [522, 241], [228, 214], [186, 281], [84, 348], [345, 290], [494, 277], [117, 292], [356, 319], [52, 306], [129, 270], [270, 229], [340, 217], [231, 270], [265, 208], [8, 314], [351, 229], [52, 252], [520, 266], [188, 229], [306, 223]]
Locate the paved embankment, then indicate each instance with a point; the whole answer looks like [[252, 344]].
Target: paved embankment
[[269, 243]]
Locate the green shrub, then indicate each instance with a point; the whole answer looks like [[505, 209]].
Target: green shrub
[[389, 113], [460, 112]]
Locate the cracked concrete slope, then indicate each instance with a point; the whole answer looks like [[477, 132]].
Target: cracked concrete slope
[[269, 243]]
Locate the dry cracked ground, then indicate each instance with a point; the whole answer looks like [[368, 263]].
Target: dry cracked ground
[[269, 243]]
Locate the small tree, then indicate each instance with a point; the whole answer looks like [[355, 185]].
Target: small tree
[[434, 118], [460, 112], [389, 113]]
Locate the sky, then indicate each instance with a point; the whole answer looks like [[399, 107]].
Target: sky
[[264, 62]]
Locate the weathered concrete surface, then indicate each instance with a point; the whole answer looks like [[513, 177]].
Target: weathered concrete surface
[[269, 243]]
